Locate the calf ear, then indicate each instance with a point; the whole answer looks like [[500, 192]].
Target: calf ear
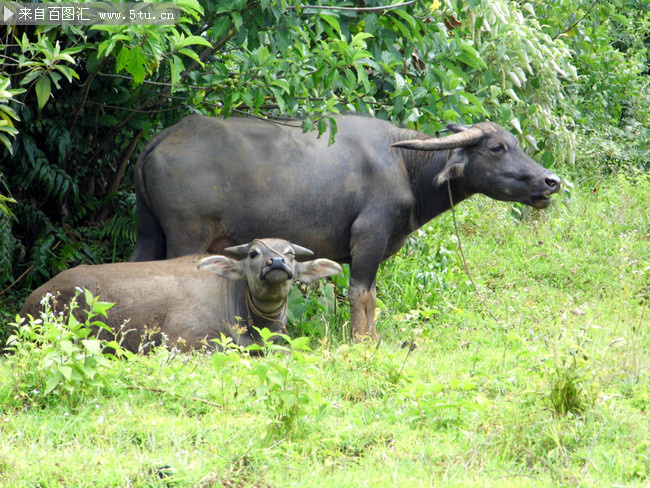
[[314, 270], [223, 266]]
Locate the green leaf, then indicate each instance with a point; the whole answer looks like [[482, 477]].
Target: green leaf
[[67, 347], [220, 27], [100, 308], [186, 5], [122, 59], [67, 72], [66, 372], [471, 57], [190, 54], [284, 84], [136, 64], [333, 21], [93, 346], [300, 344], [51, 383], [43, 90], [7, 143], [262, 55], [237, 20], [261, 370], [194, 40], [176, 68]]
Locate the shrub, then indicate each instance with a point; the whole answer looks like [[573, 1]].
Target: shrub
[[57, 357]]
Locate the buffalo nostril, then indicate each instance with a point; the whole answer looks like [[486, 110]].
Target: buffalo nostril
[[275, 261], [553, 182]]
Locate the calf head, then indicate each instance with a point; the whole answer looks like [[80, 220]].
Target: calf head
[[487, 159], [269, 266]]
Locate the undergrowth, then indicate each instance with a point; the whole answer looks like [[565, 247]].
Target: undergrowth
[[552, 391]]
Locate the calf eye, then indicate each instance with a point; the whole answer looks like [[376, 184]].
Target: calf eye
[[253, 254], [499, 148]]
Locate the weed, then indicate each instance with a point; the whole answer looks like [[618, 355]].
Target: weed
[[286, 386], [55, 357], [316, 304]]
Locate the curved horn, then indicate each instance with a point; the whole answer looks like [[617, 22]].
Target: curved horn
[[463, 136], [239, 251], [242, 250], [302, 252]]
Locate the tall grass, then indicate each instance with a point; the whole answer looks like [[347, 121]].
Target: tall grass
[[552, 391]]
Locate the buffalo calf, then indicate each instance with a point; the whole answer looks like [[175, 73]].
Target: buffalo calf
[[191, 306]]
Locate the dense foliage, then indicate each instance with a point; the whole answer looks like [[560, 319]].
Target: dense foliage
[[78, 103]]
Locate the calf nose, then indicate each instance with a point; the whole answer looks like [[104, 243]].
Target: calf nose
[[273, 262], [553, 182]]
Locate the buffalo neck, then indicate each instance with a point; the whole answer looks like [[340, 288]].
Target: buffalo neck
[[273, 320], [431, 197]]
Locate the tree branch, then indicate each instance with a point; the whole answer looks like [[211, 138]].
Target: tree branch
[[117, 177], [596, 2], [155, 101], [352, 9]]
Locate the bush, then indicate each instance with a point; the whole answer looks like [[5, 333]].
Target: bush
[[56, 358]]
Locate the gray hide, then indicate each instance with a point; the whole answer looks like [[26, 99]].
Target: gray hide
[[208, 183]]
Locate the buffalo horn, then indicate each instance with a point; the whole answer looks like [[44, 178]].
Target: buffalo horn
[[468, 136], [302, 252], [239, 251]]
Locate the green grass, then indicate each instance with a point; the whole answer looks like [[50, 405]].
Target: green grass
[[554, 392]]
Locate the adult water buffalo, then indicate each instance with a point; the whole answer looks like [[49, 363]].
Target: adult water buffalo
[[208, 183], [188, 305]]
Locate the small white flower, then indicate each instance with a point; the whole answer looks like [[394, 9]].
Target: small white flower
[[100, 420], [46, 298]]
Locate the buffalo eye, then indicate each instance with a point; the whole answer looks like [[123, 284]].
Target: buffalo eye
[[499, 148], [253, 254]]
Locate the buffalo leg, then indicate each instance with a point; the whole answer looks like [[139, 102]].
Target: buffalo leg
[[363, 301], [367, 251], [150, 242]]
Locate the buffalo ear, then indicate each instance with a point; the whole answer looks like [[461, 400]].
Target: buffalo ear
[[314, 270], [454, 167], [222, 266]]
